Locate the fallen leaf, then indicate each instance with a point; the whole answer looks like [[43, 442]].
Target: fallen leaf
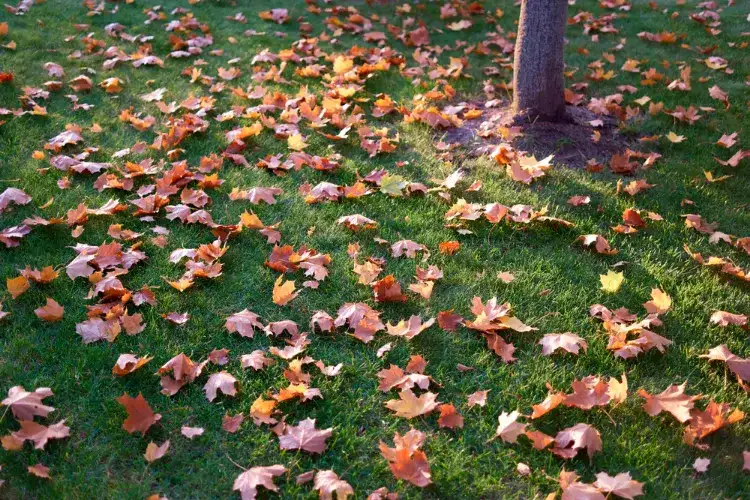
[[140, 415], [247, 483], [305, 437]]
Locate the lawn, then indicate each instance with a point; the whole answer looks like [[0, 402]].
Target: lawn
[[556, 278]]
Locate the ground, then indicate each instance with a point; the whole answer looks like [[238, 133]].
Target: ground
[[556, 279]]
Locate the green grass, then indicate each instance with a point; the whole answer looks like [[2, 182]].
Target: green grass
[[101, 460]]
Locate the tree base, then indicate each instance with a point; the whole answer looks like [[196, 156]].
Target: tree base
[[526, 116], [571, 140]]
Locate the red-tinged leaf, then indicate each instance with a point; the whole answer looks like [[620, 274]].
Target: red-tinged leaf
[[449, 321], [478, 398], [128, 363], [305, 437], [39, 434], [449, 417], [580, 436], [388, 290], [222, 381], [244, 322], [406, 460], [231, 424], [27, 405], [248, 482], [673, 400], [256, 360], [191, 432], [508, 428], [409, 329], [328, 483], [623, 485], [155, 452], [39, 470], [567, 341], [140, 415]]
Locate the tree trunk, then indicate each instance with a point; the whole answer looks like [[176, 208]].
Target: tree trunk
[[538, 86]]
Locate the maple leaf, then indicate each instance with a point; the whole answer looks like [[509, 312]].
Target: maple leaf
[[27, 405], [406, 460], [701, 465], [600, 243], [478, 398], [191, 432], [672, 400], [328, 482], [449, 417], [140, 415], [623, 485], [579, 200], [51, 312], [410, 406], [674, 138], [356, 222], [247, 483], [305, 437], [527, 168], [283, 291], [724, 318], [581, 491], [17, 286], [569, 441], [40, 434], [411, 328], [449, 321], [261, 411], [611, 281], [660, 302], [256, 360], [408, 248], [737, 365], [589, 392], [508, 428], [14, 196], [155, 452], [39, 470], [222, 381], [232, 424], [388, 290], [128, 363], [184, 371], [703, 423], [567, 341], [449, 247], [423, 288], [244, 323]]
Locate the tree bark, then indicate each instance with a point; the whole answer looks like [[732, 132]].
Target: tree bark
[[538, 85]]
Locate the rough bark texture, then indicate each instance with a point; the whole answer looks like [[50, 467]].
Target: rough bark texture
[[538, 86]]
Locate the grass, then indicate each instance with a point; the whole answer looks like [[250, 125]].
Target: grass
[[101, 460]]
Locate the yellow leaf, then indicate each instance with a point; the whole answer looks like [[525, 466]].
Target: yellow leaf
[[611, 281], [342, 64], [660, 302], [392, 184], [675, 138], [296, 142], [283, 291]]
